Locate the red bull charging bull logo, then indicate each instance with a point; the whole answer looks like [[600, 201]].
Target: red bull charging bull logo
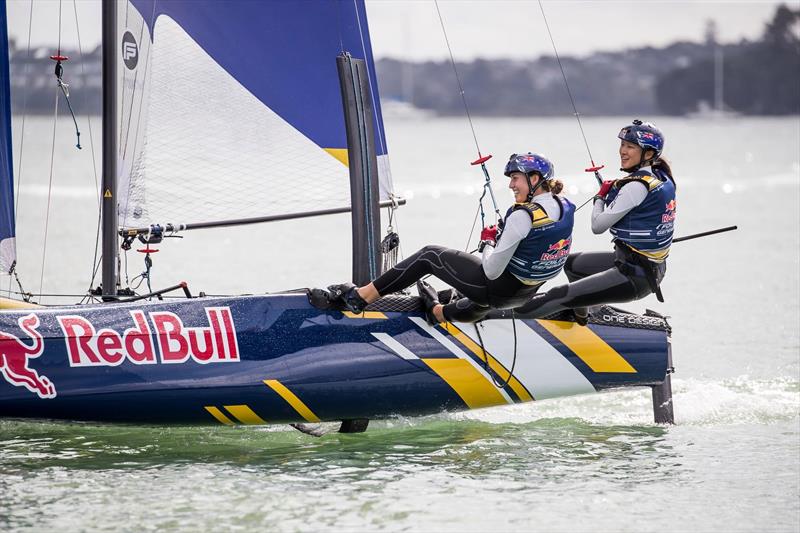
[[158, 337], [669, 214], [15, 355], [557, 250]]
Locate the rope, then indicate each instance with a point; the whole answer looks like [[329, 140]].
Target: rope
[[91, 147], [486, 365], [458, 78], [49, 194], [24, 114], [566, 83]]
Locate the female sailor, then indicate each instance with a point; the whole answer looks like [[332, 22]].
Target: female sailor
[[639, 211], [533, 248]]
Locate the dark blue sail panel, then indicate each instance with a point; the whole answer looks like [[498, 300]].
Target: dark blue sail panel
[[7, 230], [283, 52]]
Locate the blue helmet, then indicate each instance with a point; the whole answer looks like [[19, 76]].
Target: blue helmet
[[645, 135], [529, 164]]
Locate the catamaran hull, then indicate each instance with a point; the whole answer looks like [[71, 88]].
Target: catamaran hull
[[277, 359]]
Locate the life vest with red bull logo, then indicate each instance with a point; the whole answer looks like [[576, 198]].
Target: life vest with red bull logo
[[647, 228], [542, 253]]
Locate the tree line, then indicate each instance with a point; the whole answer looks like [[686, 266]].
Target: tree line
[[761, 77]]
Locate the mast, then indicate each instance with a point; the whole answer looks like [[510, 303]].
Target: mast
[[109, 187], [363, 164]]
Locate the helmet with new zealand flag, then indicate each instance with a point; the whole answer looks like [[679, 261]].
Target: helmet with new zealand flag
[[530, 164]]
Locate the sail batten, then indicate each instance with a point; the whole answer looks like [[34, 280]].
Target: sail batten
[[238, 95]]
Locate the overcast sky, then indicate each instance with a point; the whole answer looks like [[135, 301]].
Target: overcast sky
[[409, 29]]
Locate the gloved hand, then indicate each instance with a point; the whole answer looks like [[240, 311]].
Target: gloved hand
[[484, 244], [489, 234], [604, 188]]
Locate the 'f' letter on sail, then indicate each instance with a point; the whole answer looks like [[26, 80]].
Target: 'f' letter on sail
[[8, 250]]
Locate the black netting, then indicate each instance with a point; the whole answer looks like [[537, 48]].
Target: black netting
[[606, 315]]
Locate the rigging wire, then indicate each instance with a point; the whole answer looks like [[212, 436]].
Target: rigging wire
[[481, 159], [379, 126], [24, 115], [566, 84], [49, 198], [21, 144], [91, 147], [130, 187], [487, 366], [458, 78]]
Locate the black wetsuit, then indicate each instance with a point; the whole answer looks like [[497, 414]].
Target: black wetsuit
[[463, 272], [599, 278], [620, 276]]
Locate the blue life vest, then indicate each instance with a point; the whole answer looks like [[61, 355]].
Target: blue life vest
[[542, 253], [647, 228]]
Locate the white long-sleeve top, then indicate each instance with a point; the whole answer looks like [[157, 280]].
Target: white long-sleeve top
[[517, 226], [631, 195]]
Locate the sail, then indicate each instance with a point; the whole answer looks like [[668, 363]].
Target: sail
[[8, 250], [233, 109]]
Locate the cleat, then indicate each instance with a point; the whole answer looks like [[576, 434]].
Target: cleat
[[430, 299]]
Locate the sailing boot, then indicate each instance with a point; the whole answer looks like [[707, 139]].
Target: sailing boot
[[346, 294], [430, 299]]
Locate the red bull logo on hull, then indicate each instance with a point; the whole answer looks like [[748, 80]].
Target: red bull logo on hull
[[174, 342], [16, 354]]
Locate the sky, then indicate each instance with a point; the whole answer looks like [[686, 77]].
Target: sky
[[410, 29]]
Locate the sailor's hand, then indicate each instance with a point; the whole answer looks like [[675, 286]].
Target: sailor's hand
[[489, 234], [484, 244], [604, 188]]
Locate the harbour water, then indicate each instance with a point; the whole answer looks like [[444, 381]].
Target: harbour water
[[599, 463]]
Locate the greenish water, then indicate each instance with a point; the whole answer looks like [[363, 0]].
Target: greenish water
[[548, 470], [590, 463]]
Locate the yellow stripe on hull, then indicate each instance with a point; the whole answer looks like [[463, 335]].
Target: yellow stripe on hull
[[588, 346], [518, 388], [467, 382], [365, 314], [298, 405], [245, 415], [219, 415]]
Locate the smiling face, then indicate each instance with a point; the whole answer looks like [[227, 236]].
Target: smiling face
[[519, 186], [630, 154]]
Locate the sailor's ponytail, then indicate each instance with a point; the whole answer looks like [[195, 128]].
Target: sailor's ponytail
[[553, 186], [662, 165]]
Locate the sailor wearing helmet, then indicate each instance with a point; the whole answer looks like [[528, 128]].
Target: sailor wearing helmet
[[639, 212], [533, 248]]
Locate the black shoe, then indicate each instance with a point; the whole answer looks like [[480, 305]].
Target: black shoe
[[581, 315], [346, 295], [430, 299]]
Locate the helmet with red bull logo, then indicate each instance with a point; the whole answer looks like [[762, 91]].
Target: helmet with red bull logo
[[530, 164], [645, 135]]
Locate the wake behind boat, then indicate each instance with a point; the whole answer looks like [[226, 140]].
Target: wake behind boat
[[271, 358]]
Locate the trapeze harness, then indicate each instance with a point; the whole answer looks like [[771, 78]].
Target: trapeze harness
[[642, 239], [539, 256]]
